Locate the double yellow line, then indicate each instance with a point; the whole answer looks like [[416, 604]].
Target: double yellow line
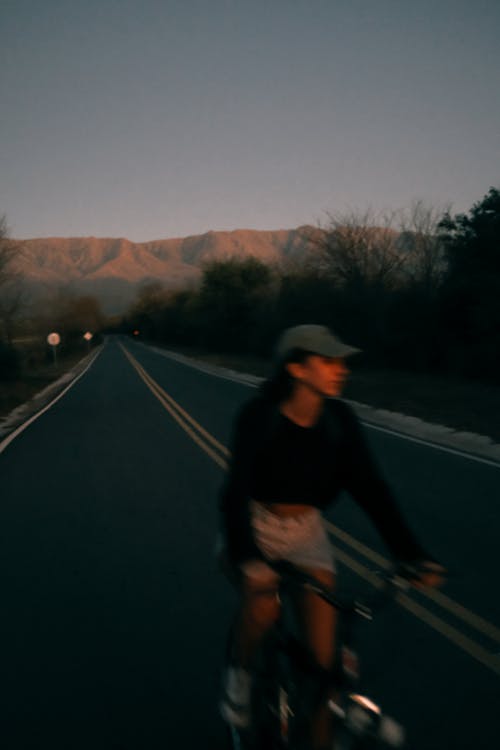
[[217, 452], [220, 454], [489, 657]]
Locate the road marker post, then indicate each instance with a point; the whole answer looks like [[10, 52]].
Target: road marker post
[[53, 339]]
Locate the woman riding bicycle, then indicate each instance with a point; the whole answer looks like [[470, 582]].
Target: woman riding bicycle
[[295, 447]]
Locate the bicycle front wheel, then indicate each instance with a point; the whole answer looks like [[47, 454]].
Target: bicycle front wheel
[[272, 697]]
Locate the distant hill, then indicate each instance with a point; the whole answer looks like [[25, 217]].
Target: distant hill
[[113, 269]]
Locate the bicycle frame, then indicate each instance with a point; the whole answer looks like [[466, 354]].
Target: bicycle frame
[[280, 718]]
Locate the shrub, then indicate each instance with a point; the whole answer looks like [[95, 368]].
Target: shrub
[[10, 364]]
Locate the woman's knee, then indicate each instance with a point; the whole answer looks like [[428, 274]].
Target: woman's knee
[[260, 602], [262, 610], [319, 621]]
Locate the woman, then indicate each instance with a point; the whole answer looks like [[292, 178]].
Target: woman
[[296, 446]]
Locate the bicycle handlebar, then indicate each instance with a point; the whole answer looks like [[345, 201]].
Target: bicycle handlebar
[[393, 582]]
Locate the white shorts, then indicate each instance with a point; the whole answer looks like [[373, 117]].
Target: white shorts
[[301, 540]]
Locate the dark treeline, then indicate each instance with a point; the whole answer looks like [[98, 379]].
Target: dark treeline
[[424, 298]]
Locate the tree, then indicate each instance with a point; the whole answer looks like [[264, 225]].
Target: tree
[[473, 241], [358, 250], [71, 315], [470, 298], [84, 314], [412, 337], [12, 301], [421, 241], [230, 301], [146, 310], [8, 250], [12, 296]]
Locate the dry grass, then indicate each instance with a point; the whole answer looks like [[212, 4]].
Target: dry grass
[[460, 404], [37, 374]]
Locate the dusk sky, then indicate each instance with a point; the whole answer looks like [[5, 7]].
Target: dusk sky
[[152, 119]]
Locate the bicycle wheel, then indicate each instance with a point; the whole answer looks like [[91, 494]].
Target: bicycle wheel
[[272, 697], [234, 738], [364, 730]]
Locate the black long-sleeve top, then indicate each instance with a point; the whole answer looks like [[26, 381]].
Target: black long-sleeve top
[[275, 460]]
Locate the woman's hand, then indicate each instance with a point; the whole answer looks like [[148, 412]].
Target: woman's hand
[[428, 574], [421, 573]]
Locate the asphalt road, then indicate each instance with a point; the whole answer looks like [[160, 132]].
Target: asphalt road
[[114, 614]]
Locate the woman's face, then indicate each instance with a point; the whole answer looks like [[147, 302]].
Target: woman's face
[[324, 375]]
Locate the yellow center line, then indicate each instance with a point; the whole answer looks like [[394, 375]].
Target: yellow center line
[[178, 414], [475, 621], [205, 440], [448, 631]]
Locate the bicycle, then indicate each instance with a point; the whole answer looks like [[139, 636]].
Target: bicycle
[[288, 683]]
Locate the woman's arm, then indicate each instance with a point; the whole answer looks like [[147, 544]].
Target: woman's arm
[[235, 495], [364, 481]]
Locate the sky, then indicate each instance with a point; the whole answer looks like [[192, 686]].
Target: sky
[[152, 119]]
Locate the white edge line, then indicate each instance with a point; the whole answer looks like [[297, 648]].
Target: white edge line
[[223, 373], [431, 444], [34, 417], [371, 425]]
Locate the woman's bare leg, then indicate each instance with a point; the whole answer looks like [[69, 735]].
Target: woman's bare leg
[[258, 611], [317, 620]]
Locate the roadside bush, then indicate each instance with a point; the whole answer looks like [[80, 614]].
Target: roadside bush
[[10, 364]]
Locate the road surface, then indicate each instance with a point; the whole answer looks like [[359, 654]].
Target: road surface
[[114, 614]]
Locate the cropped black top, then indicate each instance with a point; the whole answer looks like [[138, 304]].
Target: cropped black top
[[275, 460]]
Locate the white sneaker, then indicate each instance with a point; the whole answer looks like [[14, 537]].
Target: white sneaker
[[235, 703]]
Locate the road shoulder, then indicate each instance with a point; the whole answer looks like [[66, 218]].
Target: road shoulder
[[473, 444], [26, 411]]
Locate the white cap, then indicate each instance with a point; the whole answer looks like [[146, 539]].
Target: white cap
[[315, 339]]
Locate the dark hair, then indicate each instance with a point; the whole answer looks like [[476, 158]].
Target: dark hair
[[279, 386]]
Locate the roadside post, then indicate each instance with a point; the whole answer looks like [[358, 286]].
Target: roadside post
[[88, 338], [53, 339]]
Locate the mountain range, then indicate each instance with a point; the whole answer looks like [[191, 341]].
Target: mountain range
[[113, 269]]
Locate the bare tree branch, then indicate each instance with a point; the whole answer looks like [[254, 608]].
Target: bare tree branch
[[420, 239], [12, 296], [359, 248], [9, 251]]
